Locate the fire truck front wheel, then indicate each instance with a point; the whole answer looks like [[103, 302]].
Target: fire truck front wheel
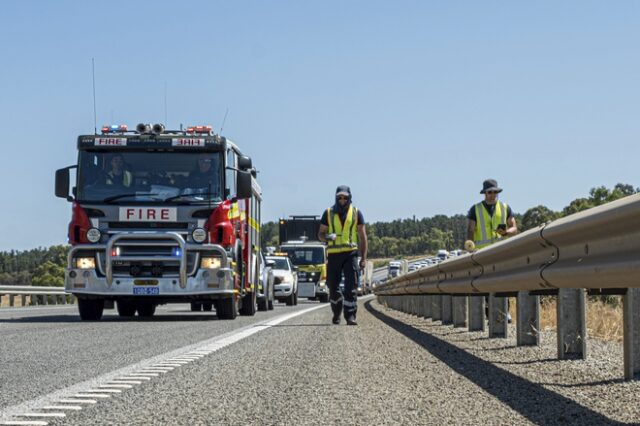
[[90, 309], [227, 308], [249, 304]]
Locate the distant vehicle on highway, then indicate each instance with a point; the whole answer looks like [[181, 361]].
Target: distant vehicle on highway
[[398, 268], [442, 255], [265, 289], [285, 280]]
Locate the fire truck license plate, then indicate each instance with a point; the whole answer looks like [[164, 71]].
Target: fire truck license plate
[[146, 291], [148, 214]]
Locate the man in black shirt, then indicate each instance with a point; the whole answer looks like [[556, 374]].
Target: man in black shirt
[[490, 220], [342, 228]]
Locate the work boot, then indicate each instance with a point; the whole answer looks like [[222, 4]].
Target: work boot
[[336, 319], [352, 320]]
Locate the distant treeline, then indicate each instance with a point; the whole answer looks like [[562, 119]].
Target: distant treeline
[[400, 237]]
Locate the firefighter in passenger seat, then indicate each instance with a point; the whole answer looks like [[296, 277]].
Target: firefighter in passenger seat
[[118, 175]]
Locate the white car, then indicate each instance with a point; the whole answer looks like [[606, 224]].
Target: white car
[[285, 279]]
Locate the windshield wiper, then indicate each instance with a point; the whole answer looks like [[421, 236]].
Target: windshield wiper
[[176, 197], [117, 197]]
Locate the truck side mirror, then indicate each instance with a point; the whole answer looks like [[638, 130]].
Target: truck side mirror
[[244, 162], [62, 183], [244, 184], [270, 262]]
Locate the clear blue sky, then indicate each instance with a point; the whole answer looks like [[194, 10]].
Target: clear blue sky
[[411, 103]]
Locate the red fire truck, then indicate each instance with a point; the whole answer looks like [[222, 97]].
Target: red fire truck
[[162, 216]]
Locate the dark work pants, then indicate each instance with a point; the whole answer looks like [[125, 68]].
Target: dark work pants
[[347, 264]]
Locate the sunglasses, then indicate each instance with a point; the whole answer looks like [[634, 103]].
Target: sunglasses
[[492, 192], [343, 198]]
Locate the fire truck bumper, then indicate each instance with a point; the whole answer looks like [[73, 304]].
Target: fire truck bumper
[[205, 282]]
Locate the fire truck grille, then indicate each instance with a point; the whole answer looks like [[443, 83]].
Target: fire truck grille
[[148, 225], [149, 268]]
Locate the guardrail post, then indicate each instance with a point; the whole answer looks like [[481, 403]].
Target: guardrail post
[[447, 311], [498, 311], [436, 307], [476, 313], [631, 314], [12, 300], [572, 330], [459, 311], [428, 306], [23, 299], [420, 306], [527, 319]]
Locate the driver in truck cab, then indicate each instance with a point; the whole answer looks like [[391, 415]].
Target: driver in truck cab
[[117, 175], [205, 173]]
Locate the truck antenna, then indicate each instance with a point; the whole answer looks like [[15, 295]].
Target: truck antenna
[[166, 123], [95, 115], [224, 120]]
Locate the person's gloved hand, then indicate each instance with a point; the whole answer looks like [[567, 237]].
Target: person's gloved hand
[[331, 237]]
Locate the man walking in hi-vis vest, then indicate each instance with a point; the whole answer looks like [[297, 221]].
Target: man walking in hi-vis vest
[[490, 220], [342, 228]]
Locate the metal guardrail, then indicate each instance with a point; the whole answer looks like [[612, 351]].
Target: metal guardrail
[[596, 251], [37, 295]]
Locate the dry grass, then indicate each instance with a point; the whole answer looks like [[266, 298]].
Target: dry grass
[[17, 301], [604, 321]]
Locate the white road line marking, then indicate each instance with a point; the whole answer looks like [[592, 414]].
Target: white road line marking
[[143, 375], [93, 395], [170, 365], [193, 351], [102, 391], [134, 378], [25, 423], [124, 382], [63, 407], [55, 415], [115, 387]]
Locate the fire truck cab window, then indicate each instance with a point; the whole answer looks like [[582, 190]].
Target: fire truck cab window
[[150, 176]]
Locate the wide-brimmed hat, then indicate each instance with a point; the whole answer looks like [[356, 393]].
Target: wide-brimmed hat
[[490, 185]]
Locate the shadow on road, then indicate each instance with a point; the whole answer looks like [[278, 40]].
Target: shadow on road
[[532, 400]]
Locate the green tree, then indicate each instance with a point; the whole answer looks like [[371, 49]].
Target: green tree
[[48, 274], [536, 216]]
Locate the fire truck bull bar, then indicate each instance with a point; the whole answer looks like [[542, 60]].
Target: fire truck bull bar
[[182, 244]]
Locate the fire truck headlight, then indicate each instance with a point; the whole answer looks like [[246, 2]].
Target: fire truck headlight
[[85, 263], [199, 235], [210, 263], [93, 235]]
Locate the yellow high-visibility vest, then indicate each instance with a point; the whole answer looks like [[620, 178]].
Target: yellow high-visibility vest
[[346, 235], [127, 178], [485, 233]]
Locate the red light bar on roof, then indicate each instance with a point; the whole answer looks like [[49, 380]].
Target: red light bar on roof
[[200, 129]]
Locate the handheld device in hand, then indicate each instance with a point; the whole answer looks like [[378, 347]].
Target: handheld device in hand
[[502, 226]]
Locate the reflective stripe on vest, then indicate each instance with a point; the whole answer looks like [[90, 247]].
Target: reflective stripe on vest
[[485, 233], [126, 178], [346, 235]]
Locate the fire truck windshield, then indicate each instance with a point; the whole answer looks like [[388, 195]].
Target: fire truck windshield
[[150, 176], [305, 255]]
